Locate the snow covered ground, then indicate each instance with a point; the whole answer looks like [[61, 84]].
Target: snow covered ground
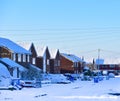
[[76, 91]]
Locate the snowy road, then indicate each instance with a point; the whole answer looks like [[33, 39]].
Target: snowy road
[[77, 91]]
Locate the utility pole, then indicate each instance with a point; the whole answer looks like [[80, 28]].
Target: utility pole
[[98, 61]]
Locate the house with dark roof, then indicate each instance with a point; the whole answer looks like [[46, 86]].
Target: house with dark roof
[[70, 63], [40, 57], [54, 61]]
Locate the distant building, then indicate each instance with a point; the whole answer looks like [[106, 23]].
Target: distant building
[[109, 67]]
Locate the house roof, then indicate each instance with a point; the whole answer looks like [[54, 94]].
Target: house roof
[[32, 66], [40, 50], [110, 60], [72, 57], [4, 71], [12, 64], [13, 47], [26, 45], [53, 53]]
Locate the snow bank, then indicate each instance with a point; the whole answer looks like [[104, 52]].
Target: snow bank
[[5, 77], [76, 91], [56, 78]]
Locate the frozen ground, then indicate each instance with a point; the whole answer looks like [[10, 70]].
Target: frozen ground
[[76, 91]]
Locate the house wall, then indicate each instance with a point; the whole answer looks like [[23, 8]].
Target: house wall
[[39, 62], [4, 52], [66, 65], [55, 64]]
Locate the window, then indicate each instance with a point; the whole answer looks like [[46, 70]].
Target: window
[[48, 62], [24, 58], [58, 62], [76, 64], [14, 57], [33, 60], [19, 57], [28, 58]]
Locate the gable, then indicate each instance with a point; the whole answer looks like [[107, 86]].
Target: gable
[[33, 50], [47, 53], [58, 55], [54, 53]]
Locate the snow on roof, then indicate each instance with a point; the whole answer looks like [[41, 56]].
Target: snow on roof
[[53, 53], [32, 66], [41, 50], [72, 57], [12, 64], [4, 71], [108, 61], [12, 46], [112, 61], [26, 45]]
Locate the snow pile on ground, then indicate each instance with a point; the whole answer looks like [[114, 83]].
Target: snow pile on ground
[[106, 90], [5, 77], [56, 78]]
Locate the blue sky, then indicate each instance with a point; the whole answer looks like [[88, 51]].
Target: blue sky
[[80, 27]]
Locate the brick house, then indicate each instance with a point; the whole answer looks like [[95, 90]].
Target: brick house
[[54, 61], [70, 63], [43, 59], [14, 53], [40, 56]]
